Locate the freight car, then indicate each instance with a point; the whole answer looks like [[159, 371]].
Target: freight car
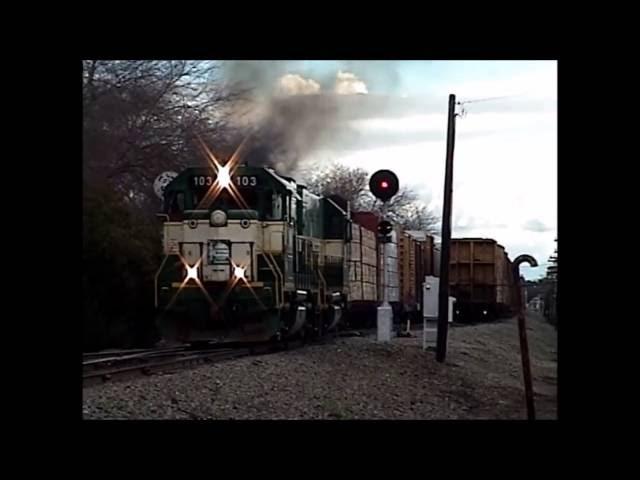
[[370, 280], [363, 286], [417, 260], [480, 278], [410, 255]]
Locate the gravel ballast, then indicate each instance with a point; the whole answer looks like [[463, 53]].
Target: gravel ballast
[[353, 378]]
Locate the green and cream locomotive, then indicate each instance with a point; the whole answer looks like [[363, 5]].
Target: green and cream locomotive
[[251, 257]]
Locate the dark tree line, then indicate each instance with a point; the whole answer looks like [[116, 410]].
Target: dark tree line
[[140, 118], [551, 295]]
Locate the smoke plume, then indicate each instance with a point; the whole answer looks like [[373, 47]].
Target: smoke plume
[[290, 115]]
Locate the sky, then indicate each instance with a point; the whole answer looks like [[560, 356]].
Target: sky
[[505, 160]]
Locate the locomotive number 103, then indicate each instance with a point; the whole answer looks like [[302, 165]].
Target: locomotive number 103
[[241, 181]]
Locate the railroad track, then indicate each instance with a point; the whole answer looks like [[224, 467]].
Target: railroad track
[[130, 366], [98, 360], [101, 367], [114, 353]]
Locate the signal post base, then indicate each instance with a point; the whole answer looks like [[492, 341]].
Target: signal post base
[[385, 323]]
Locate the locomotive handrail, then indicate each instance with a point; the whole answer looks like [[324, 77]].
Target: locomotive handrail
[[155, 282], [275, 275], [324, 286], [278, 275], [280, 278]]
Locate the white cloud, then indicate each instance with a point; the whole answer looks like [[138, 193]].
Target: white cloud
[[294, 84], [348, 84]]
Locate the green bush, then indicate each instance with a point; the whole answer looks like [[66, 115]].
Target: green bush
[[121, 253]]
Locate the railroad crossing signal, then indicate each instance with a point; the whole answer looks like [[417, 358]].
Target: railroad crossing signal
[[384, 184]]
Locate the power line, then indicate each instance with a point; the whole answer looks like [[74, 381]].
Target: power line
[[488, 98], [463, 110], [482, 100]]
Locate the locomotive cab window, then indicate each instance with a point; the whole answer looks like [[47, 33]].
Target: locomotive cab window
[[272, 205], [276, 203], [196, 197], [176, 203]]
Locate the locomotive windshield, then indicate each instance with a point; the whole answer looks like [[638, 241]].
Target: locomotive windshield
[[267, 203], [175, 203]]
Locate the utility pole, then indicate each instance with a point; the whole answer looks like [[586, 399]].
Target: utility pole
[[443, 297]]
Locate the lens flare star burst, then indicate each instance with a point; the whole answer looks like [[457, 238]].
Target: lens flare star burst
[[239, 275], [191, 274], [223, 176], [238, 272]]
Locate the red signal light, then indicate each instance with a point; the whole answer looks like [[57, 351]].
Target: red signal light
[[383, 185]]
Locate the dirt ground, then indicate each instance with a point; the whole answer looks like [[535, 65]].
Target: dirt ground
[[352, 379], [487, 360]]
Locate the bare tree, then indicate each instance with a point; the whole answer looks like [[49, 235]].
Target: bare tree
[[352, 184], [336, 179], [139, 118], [142, 117], [407, 210]]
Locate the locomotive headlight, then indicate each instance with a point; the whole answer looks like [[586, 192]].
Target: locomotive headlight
[[238, 272], [218, 218], [224, 176]]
